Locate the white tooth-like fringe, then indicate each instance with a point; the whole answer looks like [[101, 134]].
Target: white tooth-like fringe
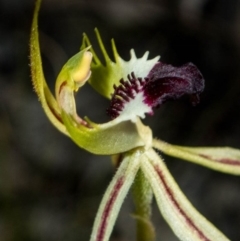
[[135, 108], [140, 66]]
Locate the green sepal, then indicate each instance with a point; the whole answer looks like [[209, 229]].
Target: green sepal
[[185, 221], [222, 159]]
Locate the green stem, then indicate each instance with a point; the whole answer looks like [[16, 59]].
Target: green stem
[[142, 194]]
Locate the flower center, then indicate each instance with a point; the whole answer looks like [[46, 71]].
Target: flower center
[[128, 99]]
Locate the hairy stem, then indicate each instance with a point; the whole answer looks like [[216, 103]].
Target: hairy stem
[[142, 194]]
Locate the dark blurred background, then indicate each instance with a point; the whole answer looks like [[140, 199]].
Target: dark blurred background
[[49, 188]]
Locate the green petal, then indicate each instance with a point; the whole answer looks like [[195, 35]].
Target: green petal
[[186, 222], [114, 197], [104, 76], [46, 98], [223, 159], [110, 138]]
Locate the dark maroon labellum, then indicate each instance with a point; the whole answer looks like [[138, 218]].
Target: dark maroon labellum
[[168, 82], [164, 82]]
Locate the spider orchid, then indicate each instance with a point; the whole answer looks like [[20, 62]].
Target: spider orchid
[[135, 88]]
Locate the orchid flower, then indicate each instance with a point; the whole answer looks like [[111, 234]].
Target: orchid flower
[[135, 88]]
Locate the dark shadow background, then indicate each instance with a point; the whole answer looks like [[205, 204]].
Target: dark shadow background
[[49, 188]]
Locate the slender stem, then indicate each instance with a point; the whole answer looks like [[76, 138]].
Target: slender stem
[[142, 194]]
